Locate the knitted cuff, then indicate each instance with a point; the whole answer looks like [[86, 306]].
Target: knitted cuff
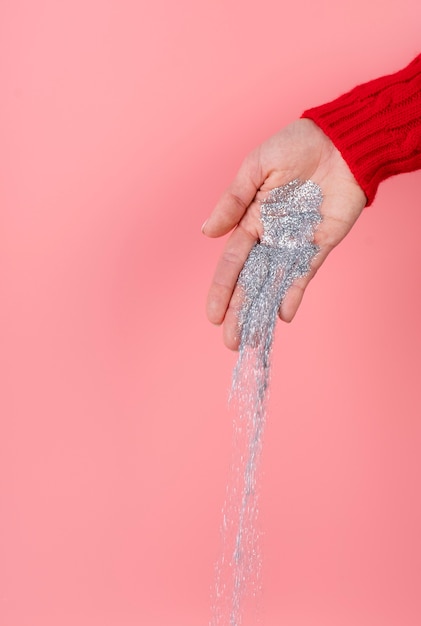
[[377, 127]]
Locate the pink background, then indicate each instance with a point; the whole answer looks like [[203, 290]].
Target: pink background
[[121, 122]]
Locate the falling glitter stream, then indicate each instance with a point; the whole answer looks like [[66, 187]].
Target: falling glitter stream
[[289, 216]]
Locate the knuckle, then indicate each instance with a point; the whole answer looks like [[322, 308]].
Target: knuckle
[[239, 202], [231, 258]]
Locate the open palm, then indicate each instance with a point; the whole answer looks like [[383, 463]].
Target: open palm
[[301, 150]]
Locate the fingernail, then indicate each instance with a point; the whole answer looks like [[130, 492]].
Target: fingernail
[[203, 226]]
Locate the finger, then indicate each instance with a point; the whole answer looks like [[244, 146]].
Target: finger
[[235, 200], [231, 330], [295, 293], [330, 232], [292, 301], [225, 278]]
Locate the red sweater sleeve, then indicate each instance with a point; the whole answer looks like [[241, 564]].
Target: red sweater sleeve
[[377, 126]]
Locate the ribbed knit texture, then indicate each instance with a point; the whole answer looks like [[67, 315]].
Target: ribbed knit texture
[[377, 126]]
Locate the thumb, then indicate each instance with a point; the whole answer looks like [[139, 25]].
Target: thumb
[[236, 198]]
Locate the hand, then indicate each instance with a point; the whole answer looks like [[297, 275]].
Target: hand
[[301, 150]]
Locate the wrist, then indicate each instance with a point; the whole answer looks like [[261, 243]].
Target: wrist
[[376, 127]]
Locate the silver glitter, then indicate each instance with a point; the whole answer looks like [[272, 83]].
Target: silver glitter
[[289, 217]]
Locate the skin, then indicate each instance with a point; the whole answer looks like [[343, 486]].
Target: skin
[[301, 150]]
